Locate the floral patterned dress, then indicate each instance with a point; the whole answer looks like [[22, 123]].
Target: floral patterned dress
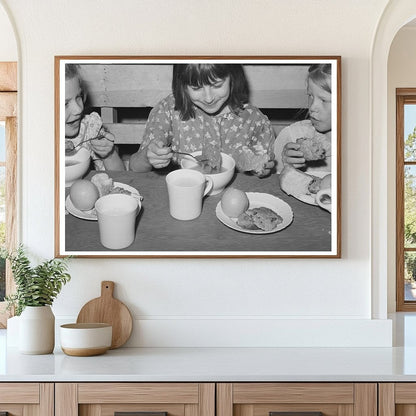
[[247, 135], [82, 135]]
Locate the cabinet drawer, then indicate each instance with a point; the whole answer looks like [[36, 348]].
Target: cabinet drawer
[[19, 393], [270, 399], [146, 399], [138, 393], [20, 399], [397, 399]]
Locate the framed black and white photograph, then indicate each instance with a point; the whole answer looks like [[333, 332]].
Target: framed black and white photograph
[[198, 156]]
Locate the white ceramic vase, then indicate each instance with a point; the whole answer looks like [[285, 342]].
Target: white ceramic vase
[[12, 334], [37, 330]]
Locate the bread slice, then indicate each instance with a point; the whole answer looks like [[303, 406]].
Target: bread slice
[[120, 190], [245, 220], [94, 124], [294, 182], [248, 161], [211, 153], [261, 218], [103, 182], [312, 148]]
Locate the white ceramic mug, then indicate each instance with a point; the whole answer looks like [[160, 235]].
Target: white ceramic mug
[[186, 188], [116, 215], [324, 199]]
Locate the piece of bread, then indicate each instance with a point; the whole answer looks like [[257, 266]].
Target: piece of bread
[[261, 218], [249, 160], [312, 148], [295, 182], [94, 124], [245, 220], [120, 190], [103, 182], [315, 185], [211, 155]]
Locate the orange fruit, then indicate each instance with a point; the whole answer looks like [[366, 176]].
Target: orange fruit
[[83, 194], [234, 202]]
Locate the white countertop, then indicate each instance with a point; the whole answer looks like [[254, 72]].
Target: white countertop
[[215, 364], [221, 364]]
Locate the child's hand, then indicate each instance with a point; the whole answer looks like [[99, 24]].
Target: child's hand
[[104, 145], [158, 154], [267, 167], [292, 155]]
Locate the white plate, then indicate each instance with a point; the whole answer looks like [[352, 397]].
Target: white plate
[[91, 215], [257, 200], [311, 198]]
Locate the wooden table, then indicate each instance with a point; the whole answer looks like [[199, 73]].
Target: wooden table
[[156, 230]]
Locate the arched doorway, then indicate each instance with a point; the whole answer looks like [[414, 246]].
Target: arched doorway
[[8, 148], [396, 15]]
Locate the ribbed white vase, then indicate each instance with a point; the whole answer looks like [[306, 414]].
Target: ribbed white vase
[[37, 330]]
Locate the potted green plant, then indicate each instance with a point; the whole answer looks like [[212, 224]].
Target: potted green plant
[[36, 289]]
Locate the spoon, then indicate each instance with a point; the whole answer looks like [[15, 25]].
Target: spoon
[[70, 147], [198, 158]]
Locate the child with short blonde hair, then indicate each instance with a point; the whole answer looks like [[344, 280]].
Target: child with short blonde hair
[[86, 130]]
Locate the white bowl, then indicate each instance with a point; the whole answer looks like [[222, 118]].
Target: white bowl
[[84, 340], [220, 180], [76, 165]]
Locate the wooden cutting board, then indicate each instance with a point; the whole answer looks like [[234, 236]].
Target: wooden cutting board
[[108, 310]]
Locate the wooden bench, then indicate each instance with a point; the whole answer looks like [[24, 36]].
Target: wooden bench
[[125, 93]]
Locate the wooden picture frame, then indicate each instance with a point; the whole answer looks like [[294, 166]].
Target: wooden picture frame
[[126, 91]]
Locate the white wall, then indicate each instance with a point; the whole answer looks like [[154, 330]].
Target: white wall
[[8, 45], [212, 302]]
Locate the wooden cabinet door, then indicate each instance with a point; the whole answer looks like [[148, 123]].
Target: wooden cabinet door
[[144, 399], [27, 399], [297, 399], [397, 399]]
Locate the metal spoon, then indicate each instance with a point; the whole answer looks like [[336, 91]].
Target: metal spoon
[[70, 147], [198, 158]]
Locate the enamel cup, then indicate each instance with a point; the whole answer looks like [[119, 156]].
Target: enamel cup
[[116, 215], [186, 189]]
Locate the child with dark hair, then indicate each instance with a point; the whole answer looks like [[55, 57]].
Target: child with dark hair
[[80, 127], [208, 108], [306, 144]]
